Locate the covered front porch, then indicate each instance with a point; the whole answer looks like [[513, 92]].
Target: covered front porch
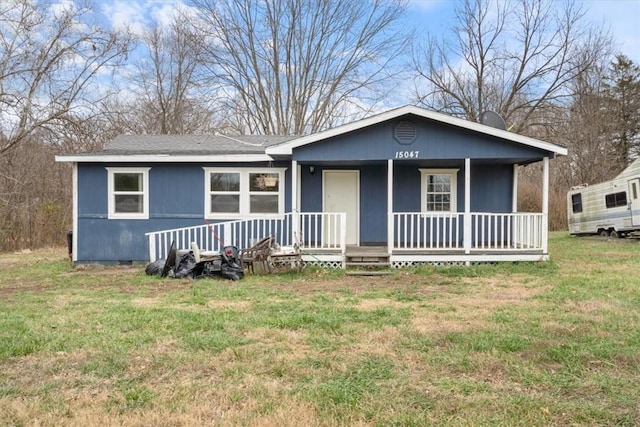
[[326, 236]]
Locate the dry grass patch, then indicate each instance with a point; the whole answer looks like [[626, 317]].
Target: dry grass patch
[[229, 305]]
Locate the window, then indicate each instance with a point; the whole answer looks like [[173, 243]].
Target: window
[[439, 190], [241, 192], [576, 201], [616, 199], [128, 190]]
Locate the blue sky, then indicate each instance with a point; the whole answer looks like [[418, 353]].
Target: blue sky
[[622, 17]]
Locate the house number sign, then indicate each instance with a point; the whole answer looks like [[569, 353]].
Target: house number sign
[[407, 154]]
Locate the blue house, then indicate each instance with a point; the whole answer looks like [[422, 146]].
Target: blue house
[[405, 187]]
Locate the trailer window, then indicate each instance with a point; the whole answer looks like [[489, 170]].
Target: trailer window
[[616, 199], [576, 201]]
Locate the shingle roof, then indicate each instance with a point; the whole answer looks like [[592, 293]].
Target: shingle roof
[[190, 144]]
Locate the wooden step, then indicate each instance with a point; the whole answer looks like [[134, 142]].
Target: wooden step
[[368, 273], [368, 264], [367, 259]]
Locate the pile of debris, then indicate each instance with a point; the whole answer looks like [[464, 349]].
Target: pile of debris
[[192, 264]]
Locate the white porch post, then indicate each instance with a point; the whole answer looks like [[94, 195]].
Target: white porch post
[[514, 191], [390, 206], [467, 206], [545, 204], [74, 228], [294, 204]]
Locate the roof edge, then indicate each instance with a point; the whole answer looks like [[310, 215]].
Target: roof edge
[[162, 158]]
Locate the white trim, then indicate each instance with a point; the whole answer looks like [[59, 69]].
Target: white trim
[[165, 158], [287, 147], [453, 207], [343, 229], [74, 228], [112, 214], [244, 192]]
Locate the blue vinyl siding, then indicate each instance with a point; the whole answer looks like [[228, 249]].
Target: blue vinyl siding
[[433, 141], [373, 198], [492, 192], [491, 188], [176, 199]]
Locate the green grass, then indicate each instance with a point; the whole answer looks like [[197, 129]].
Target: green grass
[[554, 343]]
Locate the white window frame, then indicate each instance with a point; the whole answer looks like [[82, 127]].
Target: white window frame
[[453, 174], [245, 192], [111, 193]]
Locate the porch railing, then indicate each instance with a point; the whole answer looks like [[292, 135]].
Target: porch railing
[[316, 230], [487, 231], [427, 231], [322, 231], [507, 231]]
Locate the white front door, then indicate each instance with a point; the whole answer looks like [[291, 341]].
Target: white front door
[[634, 200], [342, 194]]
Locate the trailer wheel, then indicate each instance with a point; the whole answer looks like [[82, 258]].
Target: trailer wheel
[[614, 234], [604, 233]]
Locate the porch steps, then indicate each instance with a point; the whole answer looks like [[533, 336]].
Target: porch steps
[[370, 257]]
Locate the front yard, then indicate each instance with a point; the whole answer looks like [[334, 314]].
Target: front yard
[[553, 343]]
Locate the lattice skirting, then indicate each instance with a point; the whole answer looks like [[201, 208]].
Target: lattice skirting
[[324, 264], [403, 264]]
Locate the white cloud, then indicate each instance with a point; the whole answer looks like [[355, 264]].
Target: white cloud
[[126, 14]]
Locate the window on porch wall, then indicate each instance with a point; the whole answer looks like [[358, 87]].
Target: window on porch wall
[[236, 193], [439, 190]]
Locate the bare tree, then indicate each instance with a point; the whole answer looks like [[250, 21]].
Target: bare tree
[[170, 95], [513, 57], [49, 57], [298, 66]]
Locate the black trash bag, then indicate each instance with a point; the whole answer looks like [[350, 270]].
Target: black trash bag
[[185, 266], [232, 271], [155, 268]]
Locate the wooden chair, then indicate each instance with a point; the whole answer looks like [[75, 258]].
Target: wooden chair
[[258, 254]]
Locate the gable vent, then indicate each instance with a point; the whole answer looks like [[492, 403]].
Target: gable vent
[[405, 132]]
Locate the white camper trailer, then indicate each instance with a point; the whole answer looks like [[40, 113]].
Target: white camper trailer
[[610, 208]]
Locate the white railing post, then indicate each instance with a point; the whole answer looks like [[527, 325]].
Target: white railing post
[[343, 238], [152, 247]]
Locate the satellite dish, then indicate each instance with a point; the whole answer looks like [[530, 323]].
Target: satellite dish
[[493, 119]]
